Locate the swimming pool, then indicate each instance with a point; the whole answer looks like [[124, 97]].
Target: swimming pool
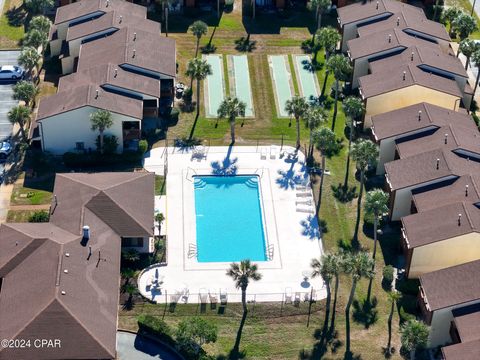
[[229, 220]]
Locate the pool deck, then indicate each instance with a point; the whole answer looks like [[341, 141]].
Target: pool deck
[[288, 208]]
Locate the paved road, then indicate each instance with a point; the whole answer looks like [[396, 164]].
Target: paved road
[[6, 101], [130, 346]]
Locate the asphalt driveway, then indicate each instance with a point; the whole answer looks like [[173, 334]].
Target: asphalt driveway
[[6, 100], [131, 346]]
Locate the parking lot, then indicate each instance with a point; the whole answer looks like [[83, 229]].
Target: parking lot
[[6, 101]]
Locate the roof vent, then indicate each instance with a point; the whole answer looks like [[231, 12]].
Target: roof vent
[[107, 3], [466, 190], [67, 254], [65, 271], [438, 164], [459, 219], [121, 18], [446, 138], [419, 115], [398, 21], [86, 232], [411, 56], [63, 292], [134, 51], [115, 72], [404, 75], [96, 94], [389, 38], [134, 36], [377, 5]]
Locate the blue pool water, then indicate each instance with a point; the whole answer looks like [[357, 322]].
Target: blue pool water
[[229, 219]]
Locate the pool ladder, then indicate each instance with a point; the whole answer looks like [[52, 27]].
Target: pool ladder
[[270, 251], [192, 251]]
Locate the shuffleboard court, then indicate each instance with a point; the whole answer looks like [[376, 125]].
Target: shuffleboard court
[[214, 88], [281, 82], [243, 90], [307, 78]]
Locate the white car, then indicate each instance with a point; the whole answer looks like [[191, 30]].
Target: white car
[[11, 72], [5, 149]]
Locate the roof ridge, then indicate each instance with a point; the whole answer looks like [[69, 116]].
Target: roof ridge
[[467, 215], [474, 183], [452, 130], [127, 180]]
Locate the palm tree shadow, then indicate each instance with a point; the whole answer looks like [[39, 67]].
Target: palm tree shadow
[[310, 227], [365, 313], [290, 178], [226, 167]]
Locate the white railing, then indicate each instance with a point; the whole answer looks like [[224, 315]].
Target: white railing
[[270, 252], [192, 251], [188, 170]]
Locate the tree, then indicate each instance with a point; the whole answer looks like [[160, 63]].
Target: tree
[[193, 332], [39, 216], [35, 39], [29, 58], [393, 296], [414, 336], [159, 218], [376, 204], [353, 108], [101, 120], [467, 47], [358, 266], [328, 267], [230, 109], [38, 6], [328, 37], [319, 6], [198, 28], [365, 154], [340, 66], [131, 290], [198, 69], [242, 274], [130, 255], [464, 24], [449, 15], [25, 91], [296, 107], [313, 117], [40, 23], [127, 275], [20, 115], [325, 142], [476, 60]]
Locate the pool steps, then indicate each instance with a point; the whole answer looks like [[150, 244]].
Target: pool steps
[[200, 183]]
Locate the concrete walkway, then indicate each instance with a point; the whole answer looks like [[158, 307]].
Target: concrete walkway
[[131, 346]]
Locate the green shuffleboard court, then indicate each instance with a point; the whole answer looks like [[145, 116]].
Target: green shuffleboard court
[[281, 81], [243, 90], [306, 77], [214, 88]]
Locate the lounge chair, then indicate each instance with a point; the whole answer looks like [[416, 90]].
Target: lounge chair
[[273, 152], [296, 302], [288, 295], [263, 153], [223, 297], [202, 294]]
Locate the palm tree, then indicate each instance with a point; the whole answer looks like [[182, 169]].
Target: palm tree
[[29, 58], [20, 115], [450, 14], [414, 336], [131, 290], [36, 39], [198, 28], [313, 117], [393, 296], [198, 69], [328, 268], [101, 120], [353, 108], [38, 6], [376, 204], [365, 154], [131, 255], [359, 266], [25, 91], [296, 107], [40, 23], [127, 274], [242, 274], [328, 38], [320, 7], [325, 142], [159, 218], [229, 109], [340, 66], [467, 47], [476, 60], [464, 24]]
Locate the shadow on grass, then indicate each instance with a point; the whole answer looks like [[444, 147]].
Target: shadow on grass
[[16, 16], [244, 44], [344, 195], [365, 313]]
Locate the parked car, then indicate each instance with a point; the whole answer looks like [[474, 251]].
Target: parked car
[[5, 149], [11, 72]]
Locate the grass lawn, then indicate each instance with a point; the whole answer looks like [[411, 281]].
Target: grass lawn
[[273, 336], [27, 196], [160, 186], [19, 216], [11, 26]]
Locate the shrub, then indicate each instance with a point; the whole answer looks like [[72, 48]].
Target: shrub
[[409, 287], [404, 316], [173, 117], [75, 160], [39, 216], [110, 144], [388, 274], [155, 326], [142, 146]]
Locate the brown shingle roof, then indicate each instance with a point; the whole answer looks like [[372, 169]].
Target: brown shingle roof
[[113, 75], [86, 95], [441, 223], [112, 20], [129, 195], [467, 320], [134, 47], [401, 76], [463, 351], [425, 58], [382, 41], [89, 7], [411, 18], [406, 120], [451, 286], [364, 10]]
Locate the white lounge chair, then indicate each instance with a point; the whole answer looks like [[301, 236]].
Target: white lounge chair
[[223, 297], [288, 295], [273, 152], [263, 153]]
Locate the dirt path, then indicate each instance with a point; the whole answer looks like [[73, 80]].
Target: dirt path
[[30, 207]]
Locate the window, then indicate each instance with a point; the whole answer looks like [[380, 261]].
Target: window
[[80, 145], [132, 242]]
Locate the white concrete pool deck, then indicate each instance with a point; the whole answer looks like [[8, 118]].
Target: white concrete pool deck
[[290, 224]]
